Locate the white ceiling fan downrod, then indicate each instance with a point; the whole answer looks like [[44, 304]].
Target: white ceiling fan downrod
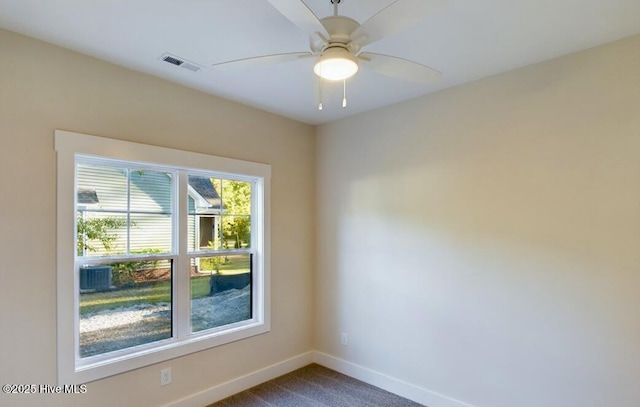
[[335, 6]]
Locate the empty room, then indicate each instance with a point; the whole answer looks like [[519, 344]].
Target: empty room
[[384, 202]]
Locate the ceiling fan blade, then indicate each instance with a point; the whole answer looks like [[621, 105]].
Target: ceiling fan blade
[[262, 60], [397, 67], [300, 15], [393, 18]]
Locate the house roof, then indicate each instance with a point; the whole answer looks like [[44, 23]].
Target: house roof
[[87, 196], [204, 187]]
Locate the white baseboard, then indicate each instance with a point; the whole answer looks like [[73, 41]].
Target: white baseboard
[[401, 388], [407, 390], [224, 390]]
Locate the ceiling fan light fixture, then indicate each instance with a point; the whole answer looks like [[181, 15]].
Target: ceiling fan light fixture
[[336, 64]]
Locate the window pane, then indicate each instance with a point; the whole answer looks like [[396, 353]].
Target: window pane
[[236, 232], [124, 304], [101, 233], [150, 233], [101, 188], [150, 191], [220, 291]]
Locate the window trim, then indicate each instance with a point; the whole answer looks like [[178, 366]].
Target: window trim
[[67, 146]]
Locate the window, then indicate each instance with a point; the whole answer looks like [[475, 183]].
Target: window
[[160, 253]]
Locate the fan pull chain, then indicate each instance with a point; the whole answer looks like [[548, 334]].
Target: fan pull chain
[[344, 93], [319, 93]]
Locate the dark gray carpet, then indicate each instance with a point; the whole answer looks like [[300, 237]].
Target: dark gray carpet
[[315, 386]]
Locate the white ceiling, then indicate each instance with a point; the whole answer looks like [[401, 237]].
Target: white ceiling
[[464, 39]]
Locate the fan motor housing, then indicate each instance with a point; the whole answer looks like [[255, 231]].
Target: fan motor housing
[[340, 28]]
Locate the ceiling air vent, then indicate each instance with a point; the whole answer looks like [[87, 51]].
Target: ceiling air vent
[[181, 62], [172, 60]]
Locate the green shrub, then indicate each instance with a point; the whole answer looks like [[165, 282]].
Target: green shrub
[[126, 274]]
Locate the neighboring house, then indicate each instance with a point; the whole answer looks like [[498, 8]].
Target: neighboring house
[[102, 192], [204, 211]]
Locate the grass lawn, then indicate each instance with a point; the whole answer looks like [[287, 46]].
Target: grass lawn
[[151, 293], [236, 264]]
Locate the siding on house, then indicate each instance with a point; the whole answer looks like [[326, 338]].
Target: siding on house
[[146, 196], [191, 224]]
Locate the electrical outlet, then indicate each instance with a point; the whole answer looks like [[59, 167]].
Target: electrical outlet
[[344, 339], [165, 376]]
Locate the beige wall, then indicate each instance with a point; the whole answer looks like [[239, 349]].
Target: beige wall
[[42, 88], [484, 242]]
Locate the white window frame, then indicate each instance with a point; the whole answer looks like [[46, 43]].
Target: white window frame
[[74, 370]]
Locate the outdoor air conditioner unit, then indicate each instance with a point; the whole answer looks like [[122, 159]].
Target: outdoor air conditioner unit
[[95, 278]]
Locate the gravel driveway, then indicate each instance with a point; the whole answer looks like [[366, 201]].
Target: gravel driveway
[[120, 328]]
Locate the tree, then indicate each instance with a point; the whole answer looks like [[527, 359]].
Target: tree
[[236, 198], [96, 229]]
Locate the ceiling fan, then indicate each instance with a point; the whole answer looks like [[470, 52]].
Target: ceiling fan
[[337, 42]]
